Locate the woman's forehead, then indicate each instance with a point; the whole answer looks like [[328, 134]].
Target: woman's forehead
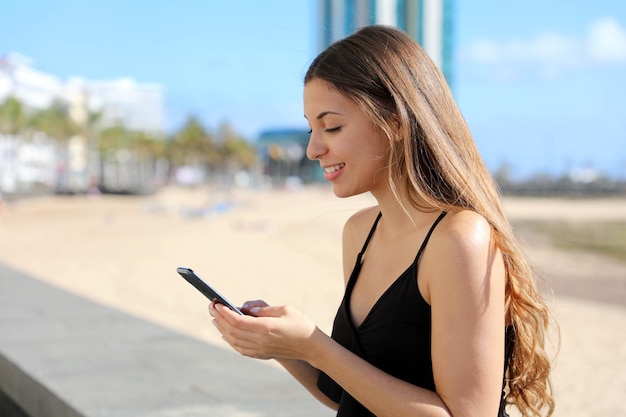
[[319, 92]]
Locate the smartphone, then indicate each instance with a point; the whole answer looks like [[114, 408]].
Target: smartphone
[[205, 288]]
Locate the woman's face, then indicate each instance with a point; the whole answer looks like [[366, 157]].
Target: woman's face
[[352, 152]]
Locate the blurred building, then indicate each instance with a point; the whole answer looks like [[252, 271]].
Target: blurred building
[[283, 156], [124, 102], [429, 22], [74, 165], [35, 89], [121, 102]]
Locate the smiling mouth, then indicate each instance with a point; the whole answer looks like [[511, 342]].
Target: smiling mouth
[[331, 169]]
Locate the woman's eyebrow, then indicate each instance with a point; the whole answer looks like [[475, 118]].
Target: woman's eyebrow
[[324, 113]]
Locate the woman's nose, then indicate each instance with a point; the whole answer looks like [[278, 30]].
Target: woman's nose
[[316, 147]]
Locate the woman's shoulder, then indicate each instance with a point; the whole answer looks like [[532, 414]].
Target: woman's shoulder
[[465, 223], [464, 230], [359, 224], [466, 238], [367, 214]]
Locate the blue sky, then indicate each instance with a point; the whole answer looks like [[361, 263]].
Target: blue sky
[[541, 83]]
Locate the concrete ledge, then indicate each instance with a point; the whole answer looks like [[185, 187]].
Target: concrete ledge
[[62, 355], [8, 408]]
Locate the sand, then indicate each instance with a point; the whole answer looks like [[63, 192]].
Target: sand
[[284, 246]]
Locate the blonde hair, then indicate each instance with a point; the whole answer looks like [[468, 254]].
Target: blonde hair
[[434, 162]]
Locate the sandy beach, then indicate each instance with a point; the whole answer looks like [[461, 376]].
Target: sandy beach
[[284, 246]]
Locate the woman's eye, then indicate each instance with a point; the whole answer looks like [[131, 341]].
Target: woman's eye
[[332, 129]]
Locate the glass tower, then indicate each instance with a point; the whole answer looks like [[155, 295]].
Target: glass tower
[[429, 22]]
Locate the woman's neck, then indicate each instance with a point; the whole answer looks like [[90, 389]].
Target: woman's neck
[[401, 216]]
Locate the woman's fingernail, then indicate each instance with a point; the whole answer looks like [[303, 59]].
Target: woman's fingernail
[[245, 305], [213, 323], [255, 310]]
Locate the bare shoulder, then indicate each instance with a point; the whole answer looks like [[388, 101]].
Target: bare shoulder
[[464, 231], [355, 232], [459, 254], [359, 224]]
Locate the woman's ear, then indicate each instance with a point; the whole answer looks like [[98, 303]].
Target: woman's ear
[[394, 124]]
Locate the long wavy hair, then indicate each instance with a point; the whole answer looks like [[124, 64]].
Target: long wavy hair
[[434, 162]]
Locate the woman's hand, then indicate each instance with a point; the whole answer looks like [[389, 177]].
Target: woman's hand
[[267, 332]]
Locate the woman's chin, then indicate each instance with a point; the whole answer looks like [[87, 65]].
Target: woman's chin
[[345, 193]]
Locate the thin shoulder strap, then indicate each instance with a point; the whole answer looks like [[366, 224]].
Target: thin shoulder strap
[[371, 233], [430, 232]]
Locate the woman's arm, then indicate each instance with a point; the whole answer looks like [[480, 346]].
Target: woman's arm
[[307, 375], [301, 370], [465, 278], [284, 334]]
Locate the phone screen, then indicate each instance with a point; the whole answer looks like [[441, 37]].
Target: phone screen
[[205, 288]]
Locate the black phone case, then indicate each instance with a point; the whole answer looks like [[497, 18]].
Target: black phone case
[[205, 288]]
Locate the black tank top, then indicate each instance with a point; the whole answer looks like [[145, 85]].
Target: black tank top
[[395, 335]]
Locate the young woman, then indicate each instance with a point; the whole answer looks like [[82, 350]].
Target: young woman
[[441, 316]]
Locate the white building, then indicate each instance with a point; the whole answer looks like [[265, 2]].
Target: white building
[[34, 89], [125, 102], [71, 166]]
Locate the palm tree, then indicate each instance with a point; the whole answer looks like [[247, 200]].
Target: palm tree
[[193, 145], [12, 117], [55, 122], [12, 120], [235, 151]]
